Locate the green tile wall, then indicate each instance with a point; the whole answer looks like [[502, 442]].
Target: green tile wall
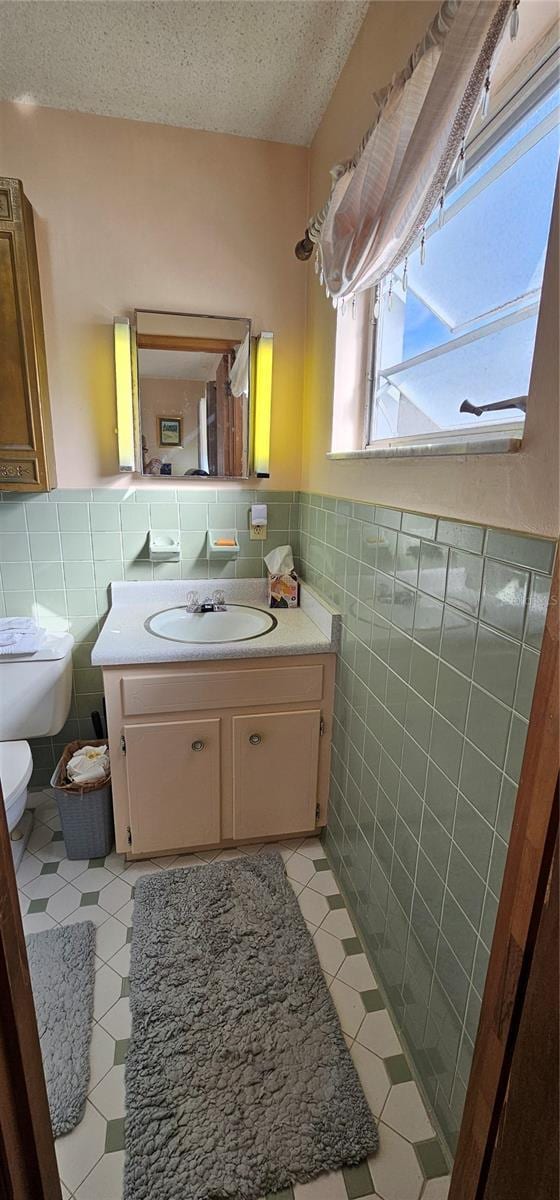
[[442, 625], [59, 552]]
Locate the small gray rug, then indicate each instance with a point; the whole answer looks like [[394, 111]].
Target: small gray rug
[[238, 1078], [62, 966]]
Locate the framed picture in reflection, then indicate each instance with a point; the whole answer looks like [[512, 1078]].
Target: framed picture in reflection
[[169, 431]]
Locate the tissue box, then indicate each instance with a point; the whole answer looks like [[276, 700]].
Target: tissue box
[[283, 591]]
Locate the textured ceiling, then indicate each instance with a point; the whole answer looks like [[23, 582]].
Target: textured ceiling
[[258, 68]]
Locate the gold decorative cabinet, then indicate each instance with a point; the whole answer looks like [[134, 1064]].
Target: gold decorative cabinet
[[26, 445], [213, 753]]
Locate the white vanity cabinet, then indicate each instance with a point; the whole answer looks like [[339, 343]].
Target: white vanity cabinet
[[209, 754]]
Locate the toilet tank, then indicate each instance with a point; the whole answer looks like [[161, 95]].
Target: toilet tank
[[36, 690]]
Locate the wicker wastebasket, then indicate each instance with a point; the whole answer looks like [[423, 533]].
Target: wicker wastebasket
[[86, 811]]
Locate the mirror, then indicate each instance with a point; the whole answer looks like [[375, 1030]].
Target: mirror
[[193, 376]]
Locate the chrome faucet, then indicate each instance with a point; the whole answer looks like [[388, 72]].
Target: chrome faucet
[[214, 603]]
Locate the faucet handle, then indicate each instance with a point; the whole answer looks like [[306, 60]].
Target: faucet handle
[[192, 601], [219, 598]]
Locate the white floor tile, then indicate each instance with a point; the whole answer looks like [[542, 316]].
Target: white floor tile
[[70, 868], [356, 971], [339, 924], [120, 961], [43, 886], [52, 852], [437, 1189], [106, 1180], [115, 863], [394, 1169], [106, 992], [377, 1033], [89, 912], [108, 1096], [329, 950], [124, 915], [295, 886], [313, 906], [93, 879], [40, 835], [312, 848], [78, 1152], [373, 1077], [229, 855], [65, 1193], [299, 868], [36, 922], [324, 882], [135, 871], [114, 895], [28, 869], [405, 1113], [117, 1021], [326, 1187], [64, 902], [349, 1007], [110, 938], [187, 860], [101, 1055]]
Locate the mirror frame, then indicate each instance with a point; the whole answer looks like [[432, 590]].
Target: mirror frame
[[136, 410]]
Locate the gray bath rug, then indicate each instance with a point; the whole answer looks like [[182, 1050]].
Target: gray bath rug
[[238, 1078], [62, 966]]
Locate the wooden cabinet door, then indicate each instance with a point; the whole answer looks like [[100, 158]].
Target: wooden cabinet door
[[276, 757], [26, 448], [173, 770]]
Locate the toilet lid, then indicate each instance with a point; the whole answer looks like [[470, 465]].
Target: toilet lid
[[16, 765]]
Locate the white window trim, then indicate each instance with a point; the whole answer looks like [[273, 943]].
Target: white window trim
[[489, 439]]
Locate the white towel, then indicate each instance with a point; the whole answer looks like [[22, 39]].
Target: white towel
[[20, 635]]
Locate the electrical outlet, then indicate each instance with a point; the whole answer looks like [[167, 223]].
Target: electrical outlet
[[257, 533]]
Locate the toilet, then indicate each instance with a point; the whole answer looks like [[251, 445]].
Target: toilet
[[35, 695]]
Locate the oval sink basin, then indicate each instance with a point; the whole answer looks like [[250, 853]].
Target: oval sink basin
[[238, 623]]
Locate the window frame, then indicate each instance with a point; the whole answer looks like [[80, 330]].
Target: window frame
[[523, 91]]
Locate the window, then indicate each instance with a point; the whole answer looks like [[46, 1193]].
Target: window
[[456, 332]]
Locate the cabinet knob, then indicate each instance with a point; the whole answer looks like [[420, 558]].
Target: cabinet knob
[[198, 745], [255, 739]]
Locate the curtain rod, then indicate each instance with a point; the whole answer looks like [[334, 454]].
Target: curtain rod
[[435, 34]]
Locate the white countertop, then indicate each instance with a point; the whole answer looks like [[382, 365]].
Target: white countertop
[[313, 628]]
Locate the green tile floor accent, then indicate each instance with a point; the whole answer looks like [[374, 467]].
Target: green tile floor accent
[[431, 1159], [372, 1000], [89, 898], [321, 864], [397, 1068], [336, 901], [125, 987], [114, 1139], [351, 946], [358, 1181], [37, 906], [49, 868], [121, 1047]]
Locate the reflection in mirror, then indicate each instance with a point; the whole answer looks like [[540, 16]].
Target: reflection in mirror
[[193, 394]]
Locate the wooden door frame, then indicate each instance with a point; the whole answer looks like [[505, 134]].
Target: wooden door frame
[[28, 1167], [524, 885]]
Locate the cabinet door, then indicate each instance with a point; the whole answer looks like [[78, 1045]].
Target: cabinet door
[[173, 770], [26, 449], [276, 759]]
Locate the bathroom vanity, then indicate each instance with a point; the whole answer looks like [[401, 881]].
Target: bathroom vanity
[[216, 742]]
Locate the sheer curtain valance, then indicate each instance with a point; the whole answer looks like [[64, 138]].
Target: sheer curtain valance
[[382, 198]]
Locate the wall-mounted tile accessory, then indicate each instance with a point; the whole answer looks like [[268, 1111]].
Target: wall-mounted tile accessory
[[222, 543], [126, 436], [164, 547], [263, 405], [26, 447], [258, 522]]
